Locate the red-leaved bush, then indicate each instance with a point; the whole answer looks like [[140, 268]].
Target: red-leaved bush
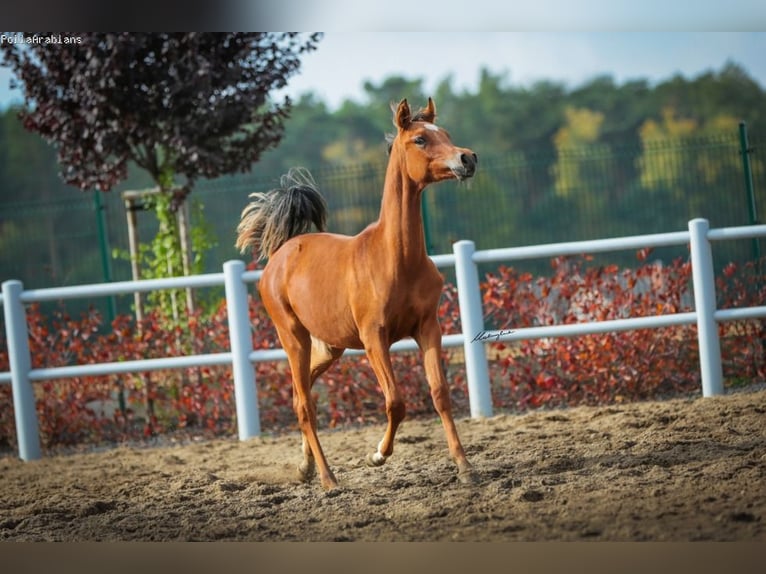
[[593, 369], [618, 366]]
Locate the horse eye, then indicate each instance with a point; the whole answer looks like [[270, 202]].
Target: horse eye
[[420, 140]]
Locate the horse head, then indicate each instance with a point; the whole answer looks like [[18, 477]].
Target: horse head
[[427, 150]]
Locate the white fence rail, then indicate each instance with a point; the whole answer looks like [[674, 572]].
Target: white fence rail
[[464, 258]]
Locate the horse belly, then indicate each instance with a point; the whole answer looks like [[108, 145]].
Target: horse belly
[[318, 295], [335, 330]]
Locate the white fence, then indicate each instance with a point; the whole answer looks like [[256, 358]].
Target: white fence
[[464, 259]]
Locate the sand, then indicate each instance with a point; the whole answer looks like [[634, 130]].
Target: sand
[[677, 470]]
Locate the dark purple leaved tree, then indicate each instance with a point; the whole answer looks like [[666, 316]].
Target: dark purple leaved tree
[[183, 104]]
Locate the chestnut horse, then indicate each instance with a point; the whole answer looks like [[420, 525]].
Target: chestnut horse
[[327, 292]]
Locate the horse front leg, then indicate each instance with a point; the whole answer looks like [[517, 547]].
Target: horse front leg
[[430, 342], [380, 360]]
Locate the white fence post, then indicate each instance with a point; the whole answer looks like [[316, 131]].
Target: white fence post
[[705, 306], [243, 371], [472, 321], [24, 409]]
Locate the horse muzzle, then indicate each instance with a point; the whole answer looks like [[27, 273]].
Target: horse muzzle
[[467, 167]]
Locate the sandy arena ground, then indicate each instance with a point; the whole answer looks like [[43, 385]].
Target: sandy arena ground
[[677, 470]]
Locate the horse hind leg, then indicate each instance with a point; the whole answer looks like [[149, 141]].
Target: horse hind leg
[[296, 342], [307, 467], [322, 357]]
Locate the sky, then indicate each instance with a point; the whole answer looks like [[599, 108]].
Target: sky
[[344, 60], [338, 69]]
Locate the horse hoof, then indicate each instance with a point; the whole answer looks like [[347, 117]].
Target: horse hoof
[[329, 482], [330, 486], [306, 473], [468, 477], [374, 459]]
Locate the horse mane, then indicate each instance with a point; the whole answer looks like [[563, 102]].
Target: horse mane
[[389, 142], [273, 217]]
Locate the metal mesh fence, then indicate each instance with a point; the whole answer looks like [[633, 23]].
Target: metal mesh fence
[[519, 198]]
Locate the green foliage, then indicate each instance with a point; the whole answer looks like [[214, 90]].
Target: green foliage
[[163, 256], [555, 164]]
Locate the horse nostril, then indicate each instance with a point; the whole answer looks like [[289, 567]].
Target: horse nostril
[[469, 163], [475, 158], [468, 160]]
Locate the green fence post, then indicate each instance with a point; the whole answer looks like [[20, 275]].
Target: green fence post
[[103, 244], [745, 149], [426, 226]]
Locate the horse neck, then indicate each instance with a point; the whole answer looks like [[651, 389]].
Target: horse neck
[[401, 221]]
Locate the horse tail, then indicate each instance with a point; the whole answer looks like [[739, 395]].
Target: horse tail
[[273, 217]]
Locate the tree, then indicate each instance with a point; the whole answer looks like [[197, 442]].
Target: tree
[[191, 105], [582, 128], [188, 104]]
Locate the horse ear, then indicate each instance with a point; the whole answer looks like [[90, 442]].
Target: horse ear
[[429, 114], [402, 116]]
